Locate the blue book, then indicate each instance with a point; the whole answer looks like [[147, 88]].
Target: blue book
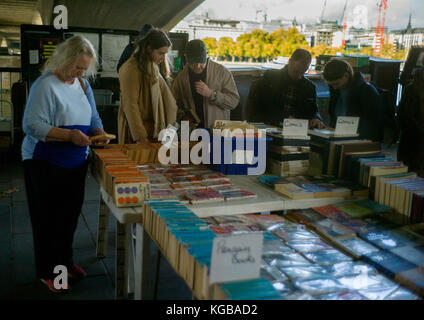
[[388, 262]]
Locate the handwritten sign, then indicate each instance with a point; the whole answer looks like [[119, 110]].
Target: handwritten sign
[[236, 257], [346, 126], [295, 127]]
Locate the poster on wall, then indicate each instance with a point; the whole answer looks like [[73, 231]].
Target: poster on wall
[[112, 47]]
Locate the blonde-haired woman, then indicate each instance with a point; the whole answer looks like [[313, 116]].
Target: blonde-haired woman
[[147, 104], [59, 117]]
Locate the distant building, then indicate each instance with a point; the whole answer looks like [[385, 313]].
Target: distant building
[[205, 27], [327, 32], [408, 37]]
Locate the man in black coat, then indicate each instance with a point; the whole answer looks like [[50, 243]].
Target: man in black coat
[[129, 49], [285, 93], [351, 95]]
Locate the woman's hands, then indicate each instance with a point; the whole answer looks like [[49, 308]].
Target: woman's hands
[[78, 138]]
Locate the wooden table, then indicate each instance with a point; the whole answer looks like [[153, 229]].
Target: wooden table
[[132, 266]]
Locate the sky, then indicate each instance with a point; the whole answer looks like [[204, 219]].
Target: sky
[[308, 11]]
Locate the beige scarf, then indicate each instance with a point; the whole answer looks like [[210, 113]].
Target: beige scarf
[[164, 106]]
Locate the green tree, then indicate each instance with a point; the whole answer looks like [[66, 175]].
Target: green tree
[[225, 47]]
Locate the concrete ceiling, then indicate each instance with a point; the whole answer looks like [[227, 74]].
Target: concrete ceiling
[[106, 14]]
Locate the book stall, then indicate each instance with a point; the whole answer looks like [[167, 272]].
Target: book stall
[[337, 218]]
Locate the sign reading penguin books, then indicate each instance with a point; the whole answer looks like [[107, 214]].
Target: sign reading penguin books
[[236, 257]]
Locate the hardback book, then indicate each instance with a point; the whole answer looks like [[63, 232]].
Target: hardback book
[[333, 161], [287, 168], [388, 262]]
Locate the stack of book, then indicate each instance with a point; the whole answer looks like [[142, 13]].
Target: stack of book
[[288, 155], [307, 187], [322, 141]]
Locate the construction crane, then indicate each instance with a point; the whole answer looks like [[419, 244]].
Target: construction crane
[[321, 20], [380, 30], [344, 26]]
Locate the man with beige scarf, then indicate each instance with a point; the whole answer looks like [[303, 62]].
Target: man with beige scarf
[[205, 91]]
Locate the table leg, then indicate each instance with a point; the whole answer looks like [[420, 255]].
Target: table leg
[[122, 250], [142, 258], [157, 270], [102, 228], [131, 260]]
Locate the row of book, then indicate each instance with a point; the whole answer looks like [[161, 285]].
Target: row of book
[[371, 232], [300, 264], [120, 177], [404, 192], [308, 187], [191, 184], [296, 262]]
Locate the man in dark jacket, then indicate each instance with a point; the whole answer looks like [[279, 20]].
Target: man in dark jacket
[[285, 93], [352, 96], [126, 54]]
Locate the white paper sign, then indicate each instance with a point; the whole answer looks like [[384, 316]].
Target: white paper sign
[[236, 257], [295, 127], [346, 125], [33, 57]]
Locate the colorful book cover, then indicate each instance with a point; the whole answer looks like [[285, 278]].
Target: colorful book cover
[[203, 195], [353, 209], [332, 212], [307, 216], [332, 229], [388, 262]]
